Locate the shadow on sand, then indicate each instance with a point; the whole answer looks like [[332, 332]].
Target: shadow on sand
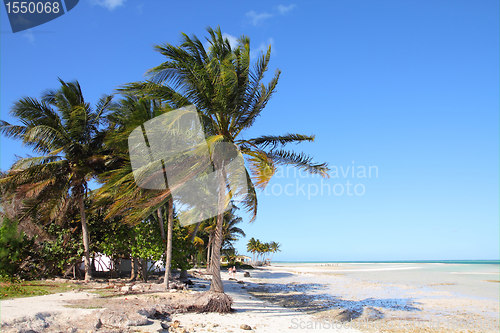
[[312, 298]]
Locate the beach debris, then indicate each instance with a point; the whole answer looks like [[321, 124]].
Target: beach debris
[[176, 324], [245, 327], [98, 324], [177, 285], [246, 274], [240, 282], [126, 289], [137, 287]]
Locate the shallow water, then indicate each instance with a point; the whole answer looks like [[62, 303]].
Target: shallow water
[[453, 296], [473, 280]]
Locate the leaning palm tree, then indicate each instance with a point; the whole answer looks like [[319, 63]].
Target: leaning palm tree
[[229, 96], [66, 134], [119, 184]]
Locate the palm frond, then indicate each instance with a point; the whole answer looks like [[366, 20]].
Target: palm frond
[[272, 141], [299, 160]]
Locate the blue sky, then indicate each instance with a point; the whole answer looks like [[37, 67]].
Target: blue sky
[[409, 88]]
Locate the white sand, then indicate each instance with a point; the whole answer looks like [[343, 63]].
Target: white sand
[[409, 300], [435, 300], [30, 306], [261, 316]]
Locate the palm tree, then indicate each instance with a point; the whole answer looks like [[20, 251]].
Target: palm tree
[[252, 248], [230, 231], [66, 133], [127, 115], [229, 96], [266, 249], [274, 247]]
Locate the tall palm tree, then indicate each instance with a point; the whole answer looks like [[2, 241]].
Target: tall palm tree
[[128, 114], [229, 96], [66, 134]]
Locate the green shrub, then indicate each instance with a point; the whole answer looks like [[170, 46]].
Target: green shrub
[[14, 248]]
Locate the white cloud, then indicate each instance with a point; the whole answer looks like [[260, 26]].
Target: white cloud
[[262, 49], [257, 18], [29, 36], [233, 41], [283, 9], [109, 4]]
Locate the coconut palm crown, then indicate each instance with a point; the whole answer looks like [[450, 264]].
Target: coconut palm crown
[[229, 96], [66, 134]]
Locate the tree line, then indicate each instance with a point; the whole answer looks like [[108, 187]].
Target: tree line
[[261, 251]]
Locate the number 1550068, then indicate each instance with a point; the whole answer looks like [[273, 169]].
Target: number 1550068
[[32, 7]]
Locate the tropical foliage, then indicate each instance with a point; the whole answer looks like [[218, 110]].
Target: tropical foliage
[[262, 251], [76, 145], [229, 95]]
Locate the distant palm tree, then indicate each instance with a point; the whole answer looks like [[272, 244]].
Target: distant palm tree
[[252, 247], [274, 247], [66, 133], [229, 96]]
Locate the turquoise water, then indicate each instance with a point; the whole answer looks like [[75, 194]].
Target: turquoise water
[[472, 262], [479, 278]]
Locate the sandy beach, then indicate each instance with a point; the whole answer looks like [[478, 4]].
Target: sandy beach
[[392, 297], [285, 297]]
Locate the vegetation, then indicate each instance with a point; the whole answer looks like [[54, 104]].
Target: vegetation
[[262, 251], [65, 131], [14, 288], [13, 248], [49, 195]]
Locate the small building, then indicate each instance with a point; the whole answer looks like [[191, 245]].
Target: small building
[[224, 260], [243, 259]]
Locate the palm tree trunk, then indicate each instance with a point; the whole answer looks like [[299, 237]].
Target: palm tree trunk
[[170, 226], [85, 236], [164, 240], [183, 275], [217, 285], [133, 268], [144, 269], [209, 249]]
